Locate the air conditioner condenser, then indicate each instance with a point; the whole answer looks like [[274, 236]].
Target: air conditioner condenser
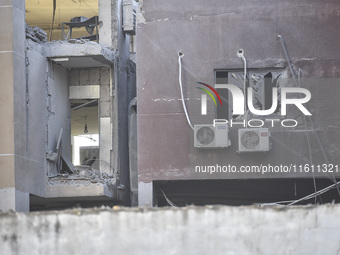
[[253, 140], [208, 136]]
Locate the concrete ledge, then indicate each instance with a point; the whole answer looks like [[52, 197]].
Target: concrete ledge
[[79, 54], [81, 190]]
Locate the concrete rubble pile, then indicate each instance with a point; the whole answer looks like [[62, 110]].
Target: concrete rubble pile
[[83, 176], [36, 34]]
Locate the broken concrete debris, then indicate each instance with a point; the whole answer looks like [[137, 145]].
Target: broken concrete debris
[[83, 175], [51, 156], [36, 34], [80, 41]]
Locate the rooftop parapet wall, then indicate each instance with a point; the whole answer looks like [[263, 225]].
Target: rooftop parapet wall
[[189, 230]]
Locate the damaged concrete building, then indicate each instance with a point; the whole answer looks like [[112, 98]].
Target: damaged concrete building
[[64, 105], [70, 90], [263, 46]]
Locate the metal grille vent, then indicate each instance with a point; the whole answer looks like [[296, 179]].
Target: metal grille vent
[[205, 135], [250, 140]]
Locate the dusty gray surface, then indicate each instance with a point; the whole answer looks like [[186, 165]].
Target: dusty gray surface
[[209, 34], [190, 230]]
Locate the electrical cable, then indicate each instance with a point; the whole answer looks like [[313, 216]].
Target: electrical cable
[[287, 56], [308, 141], [297, 81], [240, 54], [335, 185], [180, 55], [168, 200], [310, 196], [53, 17]]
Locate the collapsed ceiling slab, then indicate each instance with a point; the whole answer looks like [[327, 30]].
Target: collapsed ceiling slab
[[79, 54], [83, 182]]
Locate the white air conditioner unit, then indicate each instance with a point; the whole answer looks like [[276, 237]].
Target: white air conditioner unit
[[208, 136], [253, 140], [129, 17]]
